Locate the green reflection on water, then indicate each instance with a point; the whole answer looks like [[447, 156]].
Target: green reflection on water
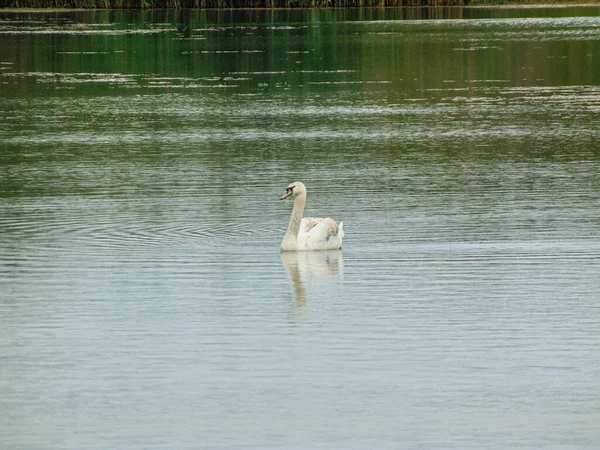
[[103, 50], [92, 97]]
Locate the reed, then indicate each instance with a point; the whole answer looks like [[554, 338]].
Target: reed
[[220, 4]]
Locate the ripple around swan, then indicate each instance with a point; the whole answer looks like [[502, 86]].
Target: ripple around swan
[[124, 232]]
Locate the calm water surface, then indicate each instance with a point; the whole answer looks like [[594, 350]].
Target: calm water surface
[[143, 299]]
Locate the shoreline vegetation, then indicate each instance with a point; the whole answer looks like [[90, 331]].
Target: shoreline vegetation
[[62, 5]]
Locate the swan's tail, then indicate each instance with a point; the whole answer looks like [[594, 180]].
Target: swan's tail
[[341, 229]]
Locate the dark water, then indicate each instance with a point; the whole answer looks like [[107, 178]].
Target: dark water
[[143, 299]]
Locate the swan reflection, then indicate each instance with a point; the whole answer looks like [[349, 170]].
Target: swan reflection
[[305, 267]]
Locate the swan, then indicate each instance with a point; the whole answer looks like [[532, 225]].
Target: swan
[[309, 233]]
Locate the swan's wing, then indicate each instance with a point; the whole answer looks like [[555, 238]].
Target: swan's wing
[[319, 233], [308, 223]]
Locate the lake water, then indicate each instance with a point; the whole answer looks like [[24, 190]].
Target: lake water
[[144, 302]]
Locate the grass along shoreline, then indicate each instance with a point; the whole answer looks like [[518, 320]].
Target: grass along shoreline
[[78, 5]]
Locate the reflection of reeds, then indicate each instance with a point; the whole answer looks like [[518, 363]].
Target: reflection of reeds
[[198, 4]]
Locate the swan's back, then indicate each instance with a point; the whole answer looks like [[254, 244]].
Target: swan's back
[[320, 234]]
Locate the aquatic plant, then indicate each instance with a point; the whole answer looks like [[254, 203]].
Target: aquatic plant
[[200, 4]]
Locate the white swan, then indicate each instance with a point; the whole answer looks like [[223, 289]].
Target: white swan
[[309, 233]]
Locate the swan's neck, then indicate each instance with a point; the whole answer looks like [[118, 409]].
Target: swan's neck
[[290, 240]]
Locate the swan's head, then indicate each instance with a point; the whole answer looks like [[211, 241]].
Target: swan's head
[[296, 188]]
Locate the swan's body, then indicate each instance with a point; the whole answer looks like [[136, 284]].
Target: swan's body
[[309, 233]]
